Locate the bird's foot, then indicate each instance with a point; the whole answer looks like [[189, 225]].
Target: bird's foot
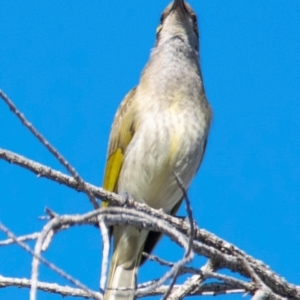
[[127, 198]]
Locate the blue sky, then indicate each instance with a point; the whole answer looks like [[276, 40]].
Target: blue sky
[[67, 66]]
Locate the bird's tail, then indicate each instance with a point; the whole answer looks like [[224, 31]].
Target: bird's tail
[[121, 284]]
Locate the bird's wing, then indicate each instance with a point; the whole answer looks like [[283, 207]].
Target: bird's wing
[[121, 134]]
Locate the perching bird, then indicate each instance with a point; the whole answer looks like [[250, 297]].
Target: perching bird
[[159, 130]]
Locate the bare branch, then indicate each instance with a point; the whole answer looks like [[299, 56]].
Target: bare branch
[[224, 254], [46, 287], [105, 254], [48, 146], [184, 269], [48, 264], [211, 289], [24, 238], [45, 171]]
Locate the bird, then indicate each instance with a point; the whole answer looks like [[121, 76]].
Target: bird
[[160, 129]]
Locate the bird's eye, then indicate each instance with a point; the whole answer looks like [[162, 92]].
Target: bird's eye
[[195, 24], [195, 28], [162, 17]]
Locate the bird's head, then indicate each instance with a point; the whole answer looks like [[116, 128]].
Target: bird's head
[[178, 20]]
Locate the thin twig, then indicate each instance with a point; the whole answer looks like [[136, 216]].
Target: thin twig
[[24, 238], [189, 212], [191, 233], [105, 254], [49, 264], [191, 285], [209, 289], [47, 144], [57, 176], [163, 262], [46, 287]]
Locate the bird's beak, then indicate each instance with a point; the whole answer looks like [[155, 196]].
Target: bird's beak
[[178, 4]]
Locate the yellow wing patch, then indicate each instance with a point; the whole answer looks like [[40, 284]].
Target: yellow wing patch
[[121, 134], [112, 172]]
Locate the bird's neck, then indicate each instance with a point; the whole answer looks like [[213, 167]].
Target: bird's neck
[[170, 65]]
